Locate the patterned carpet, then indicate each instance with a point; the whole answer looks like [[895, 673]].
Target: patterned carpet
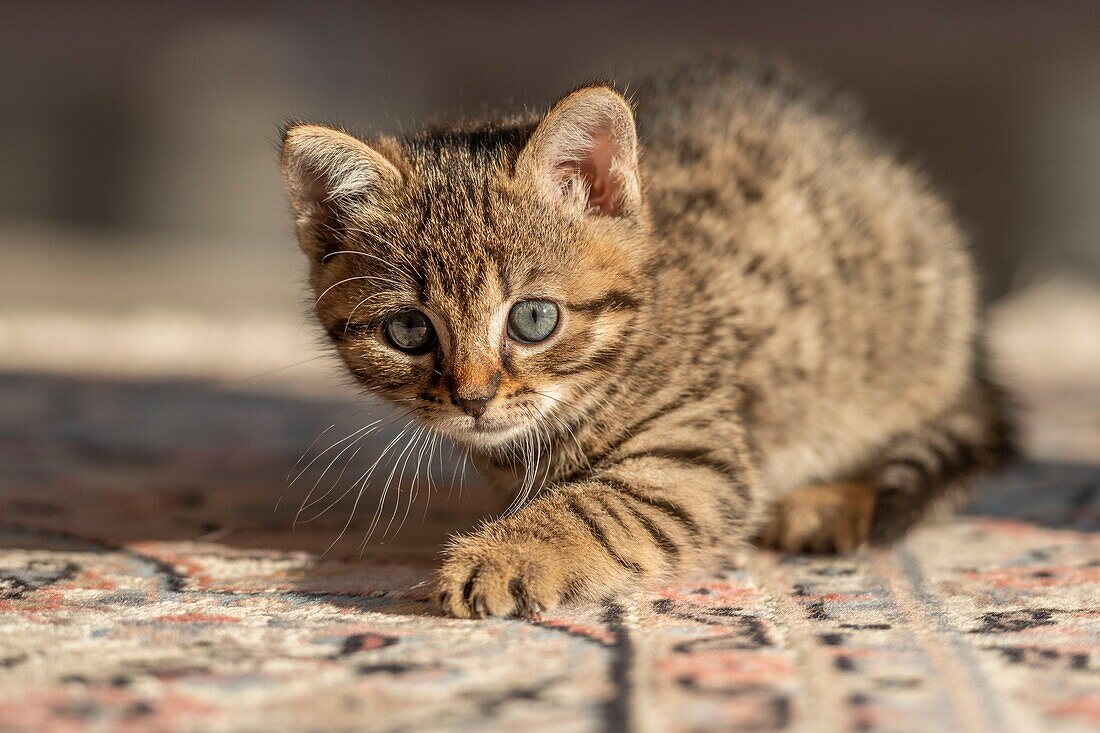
[[150, 579]]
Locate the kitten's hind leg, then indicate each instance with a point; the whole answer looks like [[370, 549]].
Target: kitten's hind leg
[[938, 463], [916, 471], [821, 518]]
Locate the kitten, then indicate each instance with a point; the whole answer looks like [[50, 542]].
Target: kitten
[[741, 318]]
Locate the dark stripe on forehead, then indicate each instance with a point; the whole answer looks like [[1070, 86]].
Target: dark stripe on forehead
[[613, 300], [425, 208], [486, 206]]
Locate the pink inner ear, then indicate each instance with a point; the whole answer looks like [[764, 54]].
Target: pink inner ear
[[594, 165], [603, 188]]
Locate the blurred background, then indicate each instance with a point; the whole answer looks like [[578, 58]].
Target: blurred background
[[144, 229]]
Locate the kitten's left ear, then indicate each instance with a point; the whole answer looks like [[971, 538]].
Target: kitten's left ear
[[585, 154]]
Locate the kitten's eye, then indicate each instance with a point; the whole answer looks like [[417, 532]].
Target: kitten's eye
[[532, 320], [410, 331]]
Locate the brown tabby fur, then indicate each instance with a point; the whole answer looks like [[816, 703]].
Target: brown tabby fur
[[762, 313]]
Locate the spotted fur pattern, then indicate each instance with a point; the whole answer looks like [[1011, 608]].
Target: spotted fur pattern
[[756, 297]]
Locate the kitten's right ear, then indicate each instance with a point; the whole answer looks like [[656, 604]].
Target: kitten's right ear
[[584, 154], [333, 179]]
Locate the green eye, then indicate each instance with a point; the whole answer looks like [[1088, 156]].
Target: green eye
[[410, 331], [532, 320]]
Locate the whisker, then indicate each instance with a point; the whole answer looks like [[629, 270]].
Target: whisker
[[437, 442], [326, 450], [359, 496], [335, 482], [307, 450], [376, 278], [283, 369], [400, 480], [458, 476], [414, 490], [462, 473], [305, 502], [361, 303], [386, 487], [387, 263], [405, 453], [337, 500]]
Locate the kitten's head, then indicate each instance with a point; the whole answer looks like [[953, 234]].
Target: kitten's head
[[487, 277]]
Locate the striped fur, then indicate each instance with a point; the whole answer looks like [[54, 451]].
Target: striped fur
[[755, 297]]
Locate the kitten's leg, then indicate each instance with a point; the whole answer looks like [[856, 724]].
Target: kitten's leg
[[917, 470], [940, 461], [822, 518], [652, 514]]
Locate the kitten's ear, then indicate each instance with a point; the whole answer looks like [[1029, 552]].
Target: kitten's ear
[[585, 153], [332, 177]]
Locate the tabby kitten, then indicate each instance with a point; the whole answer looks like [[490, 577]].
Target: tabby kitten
[[741, 318]]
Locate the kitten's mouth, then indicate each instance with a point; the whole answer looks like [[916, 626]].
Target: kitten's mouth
[[494, 429], [481, 432]]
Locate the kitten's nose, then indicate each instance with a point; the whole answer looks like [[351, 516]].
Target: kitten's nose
[[474, 400], [475, 407]]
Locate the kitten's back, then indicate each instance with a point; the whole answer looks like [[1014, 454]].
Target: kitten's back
[[788, 214]]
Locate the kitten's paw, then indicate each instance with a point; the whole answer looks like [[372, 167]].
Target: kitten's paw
[[824, 518], [484, 576]]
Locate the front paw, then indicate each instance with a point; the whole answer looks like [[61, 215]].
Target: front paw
[[490, 573]]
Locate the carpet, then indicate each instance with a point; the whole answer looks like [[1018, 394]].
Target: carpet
[[152, 578]]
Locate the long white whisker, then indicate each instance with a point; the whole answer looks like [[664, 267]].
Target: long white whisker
[[306, 501], [337, 500], [307, 450], [386, 488], [387, 263], [404, 454], [353, 279], [462, 473], [361, 303], [414, 490], [366, 477], [336, 481], [437, 444], [326, 450]]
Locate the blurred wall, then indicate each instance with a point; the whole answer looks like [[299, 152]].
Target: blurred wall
[[136, 128]]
